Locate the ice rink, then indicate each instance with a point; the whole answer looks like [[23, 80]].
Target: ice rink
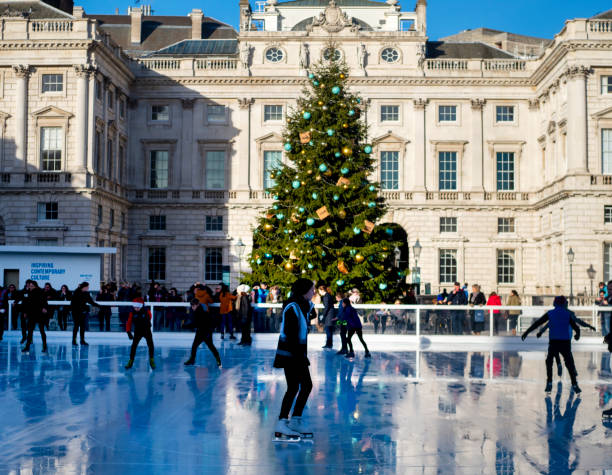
[[432, 410]]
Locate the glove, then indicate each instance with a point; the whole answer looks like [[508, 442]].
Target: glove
[[577, 336], [593, 328], [130, 336], [523, 336], [539, 335]]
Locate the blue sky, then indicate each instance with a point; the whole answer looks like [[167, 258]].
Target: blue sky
[[543, 18]]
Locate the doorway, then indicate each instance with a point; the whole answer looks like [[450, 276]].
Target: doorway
[[11, 276]]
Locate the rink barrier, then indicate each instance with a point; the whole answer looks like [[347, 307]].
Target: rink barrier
[[528, 313]]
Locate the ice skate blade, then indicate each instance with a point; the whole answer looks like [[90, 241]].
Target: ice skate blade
[[279, 438]]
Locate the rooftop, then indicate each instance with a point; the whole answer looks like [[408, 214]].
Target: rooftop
[[475, 50], [32, 9], [324, 3]]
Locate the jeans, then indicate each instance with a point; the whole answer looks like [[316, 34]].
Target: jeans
[[298, 383], [104, 315], [343, 331], [329, 332], [226, 324], [79, 324], [457, 322], [605, 323], [62, 317], [32, 321]]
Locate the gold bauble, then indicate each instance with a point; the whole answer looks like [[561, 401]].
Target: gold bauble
[[342, 213], [303, 183], [328, 230], [309, 172], [318, 178], [322, 86], [359, 258], [308, 160], [345, 125], [385, 249], [345, 187], [320, 103], [268, 227], [303, 152], [342, 75], [288, 266], [347, 151]]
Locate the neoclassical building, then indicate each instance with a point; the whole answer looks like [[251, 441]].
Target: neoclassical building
[[155, 134]]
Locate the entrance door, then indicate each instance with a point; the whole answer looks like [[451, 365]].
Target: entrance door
[[11, 276]]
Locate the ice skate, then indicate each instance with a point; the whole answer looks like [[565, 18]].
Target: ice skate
[[152, 363], [548, 388], [282, 432], [368, 354], [607, 415], [130, 364], [576, 388], [189, 362], [298, 425], [341, 352], [350, 354], [232, 337]]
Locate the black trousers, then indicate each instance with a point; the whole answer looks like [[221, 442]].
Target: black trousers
[[300, 384], [79, 325], [62, 318], [343, 331], [563, 348], [246, 331], [104, 315], [19, 316], [329, 333], [32, 322], [139, 334], [351, 332], [204, 337]]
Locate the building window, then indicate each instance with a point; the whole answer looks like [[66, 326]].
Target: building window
[[52, 82], [98, 89], [448, 225], [389, 170], [274, 55], [160, 113], [272, 161], [606, 84], [122, 221], [215, 170], [607, 214], [51, 148], [505, 225], [607, 272], [100, 214], [505, 171], [157, 223], [332, 54], [48, 211], [157, 263], [505, 267], [112, 218], [111, 99], [606, 151], [98, 154], [447, 114], [159, 169], [214, 223], [448, 266], [110, 157], [122, 108], [47, 242], [389, 113], [273, 113], [121, 166], [504, 114], [390, 55], [213, 264], [113, 262], [447, 175], [215, 113]]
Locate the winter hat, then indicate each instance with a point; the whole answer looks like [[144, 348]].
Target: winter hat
[[301, 286], [138, 303], [560, 301], [243, 288]]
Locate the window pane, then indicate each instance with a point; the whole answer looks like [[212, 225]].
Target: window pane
[[504, 113], [389, 113], [110, 157], [389, 170], [52, 82], [606, 84], [51, 148], [214, 223], [505, 171], [607, 214], [448, 170], [273, 112], [159, 169], [272, 161], [505, 225], [606, 151], [447, 114], [505, 267], [448, 266], [157, 263], [607, 261], [47, 211], [157, 223], [215, 170], [215, 113], [213, 264], [47, 242], [160, 113], [448, 225]]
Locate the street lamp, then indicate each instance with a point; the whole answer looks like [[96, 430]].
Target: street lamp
[[570, 259], [240, 246], [416, 278], [591, 273]]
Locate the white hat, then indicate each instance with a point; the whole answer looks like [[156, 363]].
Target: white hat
[[243, 288], [137, 305]]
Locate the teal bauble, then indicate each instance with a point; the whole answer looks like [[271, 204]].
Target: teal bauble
[[339, 282], [351, 112], [352, 252], [259, 261], [356, 230], [382, 286], [286, 231], [389, 231], [323, 253], [310, 266], [337, 154], [306, 115], [371, 204], [296, 184], [311, 143], [372, 188], [268, 256], [288, 147], [336, 90], [358, 101], [315, 196], [315, 83], [330, 132], [344, 170], [275, 206], [322, 168], [310, 221], [311, 76], [367, 149], [301, 210], [280, 216], [336, 197], [275, 197]]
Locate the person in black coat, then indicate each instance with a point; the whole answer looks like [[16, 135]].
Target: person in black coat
[[457, 297], [79, 306], [291, 356], [328, 314], [62, 312], [10, 294], [477, 298], [35, 311], [204, 323], [50, 294], [105, 313]]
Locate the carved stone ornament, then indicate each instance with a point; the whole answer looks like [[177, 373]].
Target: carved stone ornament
[[420, 103], [188, 103], [245, 102], [84, 70], [478, 104], [578, 71], [333, 19], [22, 71]]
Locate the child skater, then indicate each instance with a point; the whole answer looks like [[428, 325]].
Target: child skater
[[354, 326], [580, 322], [291, 355], [341, 322], [560, 319], [204, 326], [140, 319]]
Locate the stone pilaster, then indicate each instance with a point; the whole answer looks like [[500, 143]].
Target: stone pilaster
[[83, 72], [420, 156], [577, 120], [244, 180], [22, 73], [477, 145]]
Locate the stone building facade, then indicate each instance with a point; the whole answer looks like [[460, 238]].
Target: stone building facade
[[154, 134]]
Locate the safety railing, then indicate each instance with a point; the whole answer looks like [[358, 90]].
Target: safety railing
[[419, 320]]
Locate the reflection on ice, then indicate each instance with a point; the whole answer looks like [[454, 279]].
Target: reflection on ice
[[448, 411]]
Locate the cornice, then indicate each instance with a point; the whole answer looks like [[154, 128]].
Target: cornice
[[36, 45]]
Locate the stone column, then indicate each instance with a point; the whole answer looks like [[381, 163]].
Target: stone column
[[22, 73], [244, 153], [577, 120], [183, 165], [476, 143], [420, 146], [82, 114]]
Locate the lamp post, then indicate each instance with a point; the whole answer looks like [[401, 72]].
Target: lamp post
[[240, 247], [416, 277], [591, 273], [570, 260]]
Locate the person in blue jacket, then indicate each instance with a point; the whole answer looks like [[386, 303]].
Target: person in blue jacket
[[560, 322], [354, 326]]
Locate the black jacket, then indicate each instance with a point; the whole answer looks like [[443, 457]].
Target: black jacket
[[33, 304], [80, 302], [328, 310], [478, 299], [457, 298], [202, 320], [291, 351]]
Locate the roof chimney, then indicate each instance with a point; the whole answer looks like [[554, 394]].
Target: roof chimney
[[136, 26], [421, 11], [78, 12], [196, 23]]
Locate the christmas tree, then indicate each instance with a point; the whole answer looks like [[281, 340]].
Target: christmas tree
[[322, 224]]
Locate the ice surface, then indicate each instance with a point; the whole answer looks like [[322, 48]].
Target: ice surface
[[79, 411]]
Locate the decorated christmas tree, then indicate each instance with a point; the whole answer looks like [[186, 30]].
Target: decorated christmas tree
[[322, 224]]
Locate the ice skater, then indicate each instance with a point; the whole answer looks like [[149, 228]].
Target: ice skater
[[226, 300], [35, 311], [607, 414], [140, 319], [291, 356], [204, 325], [354, 326], [79, 307], [341, 322], [560, 320]]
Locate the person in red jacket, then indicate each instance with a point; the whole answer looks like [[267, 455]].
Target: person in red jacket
[[492, 301], [140, 319]]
